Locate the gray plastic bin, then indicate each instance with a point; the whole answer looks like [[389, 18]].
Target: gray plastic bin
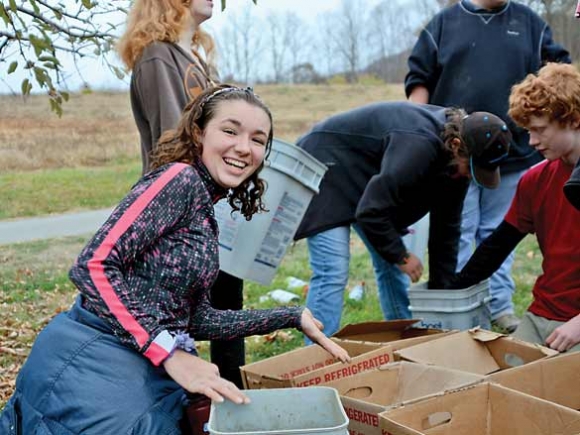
[[253, 250], [282, 411], [451, 309]]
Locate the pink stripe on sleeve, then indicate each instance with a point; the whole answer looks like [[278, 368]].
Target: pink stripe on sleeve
[[97, 268], [156, 354]]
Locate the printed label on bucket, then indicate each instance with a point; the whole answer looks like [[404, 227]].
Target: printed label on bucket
[[282, 228], [229, 224]]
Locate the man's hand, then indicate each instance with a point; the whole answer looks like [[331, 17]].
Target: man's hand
[[199, 376], [312, 328], [565, 336], [412, 267]]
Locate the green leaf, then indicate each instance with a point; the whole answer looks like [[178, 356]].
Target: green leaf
[[57, 108], [34, 6], [13, 7], [26, 87], [51, 59], [38, 44], [40, 75], [12, 67], [4, 14], [65, 95], [87, 4]]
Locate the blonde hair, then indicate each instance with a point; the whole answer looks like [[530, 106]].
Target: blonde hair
[[553, 92], [159, 20]]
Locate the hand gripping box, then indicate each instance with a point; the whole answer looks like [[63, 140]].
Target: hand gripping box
[[555, 379], [369, 393], [312, 365], [483, 409], [476, 351]]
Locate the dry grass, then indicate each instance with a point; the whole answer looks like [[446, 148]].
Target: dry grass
[[94, 130], [98, 129], [297, 108]]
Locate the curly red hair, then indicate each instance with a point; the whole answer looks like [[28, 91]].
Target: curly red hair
[[553, 92]]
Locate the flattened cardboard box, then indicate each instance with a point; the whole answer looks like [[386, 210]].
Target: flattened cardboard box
[[369, 393], [476, 351], [556, 379], [484, 409], [312, 365]]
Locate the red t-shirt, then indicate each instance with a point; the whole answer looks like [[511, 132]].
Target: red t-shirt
[[540, 207]]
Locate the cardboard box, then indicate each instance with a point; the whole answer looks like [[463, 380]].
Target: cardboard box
[[302, 367], [399, 334], [484, 409], [555, 379], [312, 365], [385, 331], [476, 351], [367, 394]]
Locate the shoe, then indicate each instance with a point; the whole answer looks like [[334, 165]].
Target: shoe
[[507, 323]]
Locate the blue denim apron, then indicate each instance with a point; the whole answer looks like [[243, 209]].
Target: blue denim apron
[[79, 378]]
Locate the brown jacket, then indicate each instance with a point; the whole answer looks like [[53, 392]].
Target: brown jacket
[[164, 80]]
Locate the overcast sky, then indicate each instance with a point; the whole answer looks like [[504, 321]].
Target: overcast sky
[[98, 76]]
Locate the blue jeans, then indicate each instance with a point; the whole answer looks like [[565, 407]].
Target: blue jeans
[[329, 260], [483, 211]]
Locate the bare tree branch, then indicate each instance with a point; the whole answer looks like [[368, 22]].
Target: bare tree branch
[[62, 29]]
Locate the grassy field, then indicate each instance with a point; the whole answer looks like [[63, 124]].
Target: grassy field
[[89, 158]]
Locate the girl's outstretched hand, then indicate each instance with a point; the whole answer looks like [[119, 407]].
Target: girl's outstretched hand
[[199, 376], [313, 330]]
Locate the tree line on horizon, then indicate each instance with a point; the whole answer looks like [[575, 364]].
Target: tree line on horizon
[[348, 42]]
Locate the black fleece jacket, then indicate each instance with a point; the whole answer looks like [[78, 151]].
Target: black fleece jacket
[[387, 169]]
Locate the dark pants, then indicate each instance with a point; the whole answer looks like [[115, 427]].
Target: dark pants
[[228, 355]]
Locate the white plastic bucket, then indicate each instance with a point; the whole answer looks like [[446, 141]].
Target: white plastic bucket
[[252, 250], [417, 239], [451, 309], [297, 411]]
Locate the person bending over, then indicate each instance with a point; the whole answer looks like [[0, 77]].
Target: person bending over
[[389, 165]]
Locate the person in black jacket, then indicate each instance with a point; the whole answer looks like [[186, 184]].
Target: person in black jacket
[[470, 55], [389, 165]]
